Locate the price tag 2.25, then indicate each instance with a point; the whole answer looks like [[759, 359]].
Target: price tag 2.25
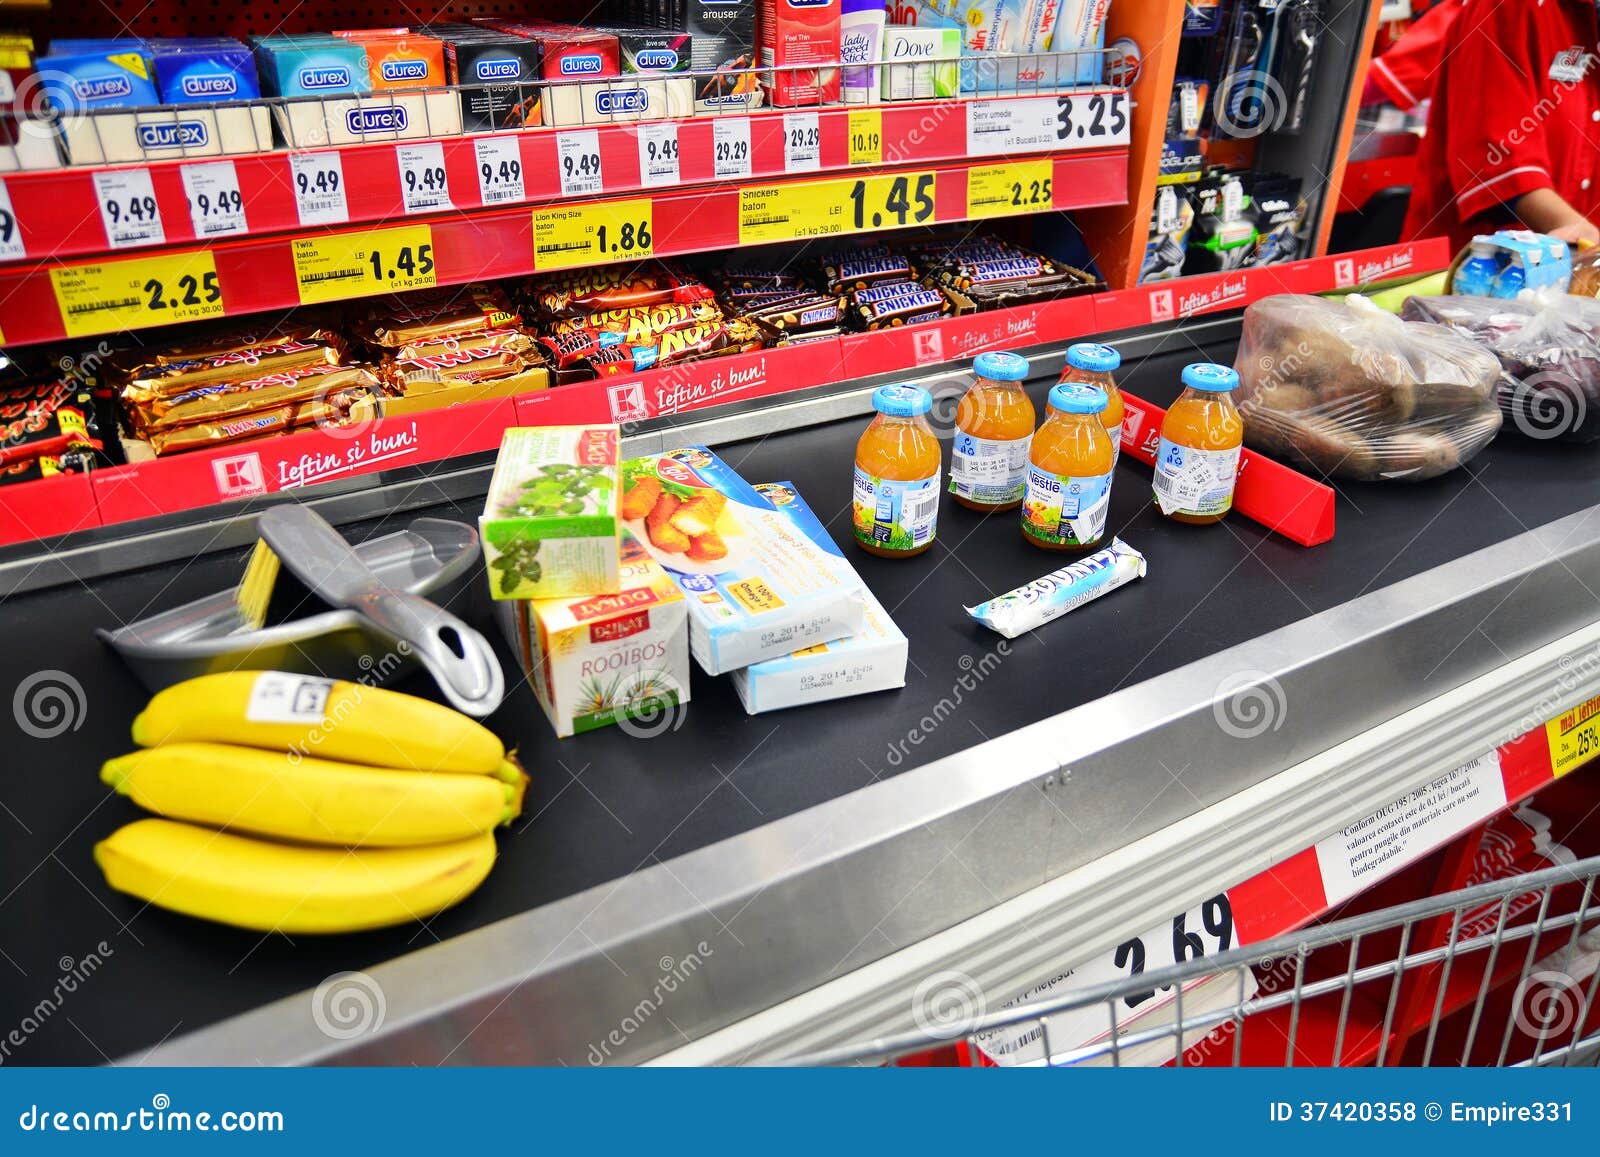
[[802, 142], [578, 160], [730, 148], [499, 170], [335, 266], [11, 247], [424, 184], [216, 207], [1003, 190], [144, 291], [658, 154], [825, 208], [569, 236], [318, 181], [128, 208], [1574, 737]]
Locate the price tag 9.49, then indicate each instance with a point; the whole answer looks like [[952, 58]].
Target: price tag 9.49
[[1574, 737], [578, 235], [336, 266], [134, 294], [1002, 190], [825, 208]]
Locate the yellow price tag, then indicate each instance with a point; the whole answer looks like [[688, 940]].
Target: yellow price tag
[[1574, 737], [140, 292], [866, 136], [337, 266], [591, 234], [1002, 190], [825, 208]]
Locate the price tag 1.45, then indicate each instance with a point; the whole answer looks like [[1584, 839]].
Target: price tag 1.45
[[11, 247], [144, 291], [499, 170], [1003, 190], [578, 159], [1574, 737], [216, 208], [825, 208], [571, 236], [424, 184], [318, 181], [128, 208], [336, 266]]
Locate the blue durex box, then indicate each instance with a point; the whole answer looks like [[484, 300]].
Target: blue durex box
[[95, 75], [204, 69], [312, 66]]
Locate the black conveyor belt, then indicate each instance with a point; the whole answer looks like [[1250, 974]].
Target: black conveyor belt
[[605, 804]]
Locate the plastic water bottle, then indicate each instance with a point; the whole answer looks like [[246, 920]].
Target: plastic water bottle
[[1476, 277], [1511, 280]]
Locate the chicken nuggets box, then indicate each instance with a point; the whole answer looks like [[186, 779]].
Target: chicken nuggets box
[[872, 660], [760, 582]]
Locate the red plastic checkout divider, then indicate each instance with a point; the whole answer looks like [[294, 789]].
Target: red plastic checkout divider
[[59, 506]]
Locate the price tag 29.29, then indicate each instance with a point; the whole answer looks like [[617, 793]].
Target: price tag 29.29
[[128, 208], [730, 148], [571, 236], [318, 181], [658, 154], [216, 207], [335, 266], [1003, 190], [144, 291], [802, 142], [424, 184], [499, 170], [578, 160]]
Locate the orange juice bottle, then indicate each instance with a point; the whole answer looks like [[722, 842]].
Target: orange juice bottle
[[1198, 460], [1096, 365], [994, 425], [1069, 472], [897, 475]]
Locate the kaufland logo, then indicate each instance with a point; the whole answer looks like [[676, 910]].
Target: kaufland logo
[[376, 120], [178, 134], [404, 69], [211, 84], [499, 68], [621, 100], [101, 88], [587, 64], [236, 476], [327, 77], [656, 59]]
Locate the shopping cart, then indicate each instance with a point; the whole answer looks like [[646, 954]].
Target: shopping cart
[[1504, 973]]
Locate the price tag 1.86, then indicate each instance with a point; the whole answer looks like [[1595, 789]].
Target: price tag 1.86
[[825, 208], [336, 266], [1574, 737], [579, 235], [1002, 190], [134, 294]]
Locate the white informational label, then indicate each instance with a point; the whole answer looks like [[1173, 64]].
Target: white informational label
[[11, 247], [216, 208], [280, 698], [424, 185], [730, 143], [579, 162], [1166, 210], [1202, 931], [499, 170], [318, 180], [1408, 829], [802, 142], [1056, 124], [1232, 200], [1189, 108], [128, 208], [658, 155]]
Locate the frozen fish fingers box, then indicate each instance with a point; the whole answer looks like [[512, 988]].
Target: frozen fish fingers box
[[759, 582], [873, 659]]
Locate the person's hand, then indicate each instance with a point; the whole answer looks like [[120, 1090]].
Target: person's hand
[[1583, 234]]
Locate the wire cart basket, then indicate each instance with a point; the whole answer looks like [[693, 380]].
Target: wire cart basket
[[1503, 973]]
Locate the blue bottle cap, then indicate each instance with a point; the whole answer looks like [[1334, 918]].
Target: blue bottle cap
[[902, 401], [1001, 367], [1078, 398], [1209, 376], [1100, 359]]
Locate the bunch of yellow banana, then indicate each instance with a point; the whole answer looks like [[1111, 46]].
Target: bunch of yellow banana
[[326, 806]]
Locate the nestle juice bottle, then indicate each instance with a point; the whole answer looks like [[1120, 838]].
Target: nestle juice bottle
[[1198, 460], [897, 475], [1069, 472], [994, 425], [1095, 365]]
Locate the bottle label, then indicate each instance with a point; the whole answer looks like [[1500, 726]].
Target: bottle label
[[1115, 434], [895, 515], [989, 470], [1191, 481], [1065, 510]]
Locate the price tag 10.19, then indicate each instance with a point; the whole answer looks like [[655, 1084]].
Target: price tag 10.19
[[577, 235], [1002, 190], [216, 208], [335, 266], [825, 208], [424, 185], [866, 136], [1574, 737], [128, 208], [144, 291], [499, 170]]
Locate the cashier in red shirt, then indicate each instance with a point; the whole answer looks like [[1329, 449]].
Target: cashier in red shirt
[[1514, 130]]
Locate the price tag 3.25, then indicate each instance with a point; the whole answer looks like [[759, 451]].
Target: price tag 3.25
[[499, 170], [216, 208], [569, 236], [658, 154], [424, 184], [109, 296], [128, 208], [335, 266], [318, 180], [578, 159]]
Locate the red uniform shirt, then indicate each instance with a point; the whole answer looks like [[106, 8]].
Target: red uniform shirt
[[1404, 74], [1516, 107]]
